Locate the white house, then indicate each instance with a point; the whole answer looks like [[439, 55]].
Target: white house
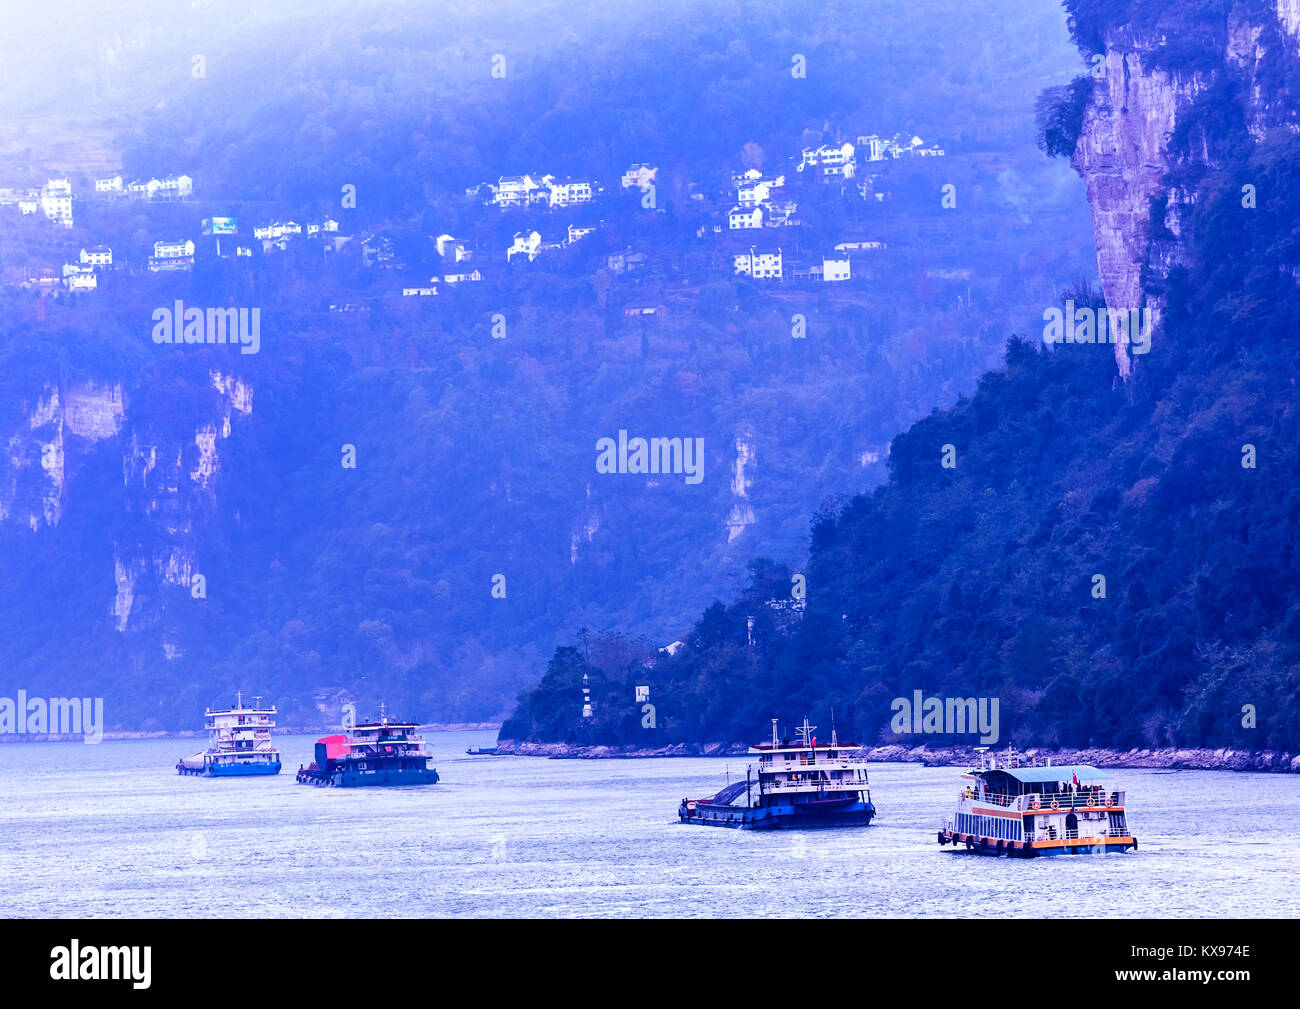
[[173, 250], [512, 190], [99, 255], [640, 176], [777, 215], [835, 268], [753, 191], [112, 184], [576, 233], [173, 187], [873, 147], [56, 201], [451, 249], [830, 161], [419, 292], [79, 278], [462, 278], [759, 265], [28, 206], [526, 243], [568, 192], [742, 218]]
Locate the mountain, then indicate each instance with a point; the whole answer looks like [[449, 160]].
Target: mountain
[[177, 521], [1103, 537]]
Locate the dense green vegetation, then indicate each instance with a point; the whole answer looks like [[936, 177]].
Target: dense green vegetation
[[980, 580]]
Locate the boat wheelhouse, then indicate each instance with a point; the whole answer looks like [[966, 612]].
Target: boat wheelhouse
[[376, 753], [1027, 809], [240, 743], [799, 784]]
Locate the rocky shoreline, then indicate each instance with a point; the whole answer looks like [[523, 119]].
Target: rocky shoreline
[[955, 756], [283, 730]]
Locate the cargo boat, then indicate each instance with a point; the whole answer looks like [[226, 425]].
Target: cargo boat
[[240, 743], [794, 785], [1024, 809], [376, 753]]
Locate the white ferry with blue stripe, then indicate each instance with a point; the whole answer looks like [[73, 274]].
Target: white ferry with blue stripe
[[240, 743], [799, 784], [1026, 810]]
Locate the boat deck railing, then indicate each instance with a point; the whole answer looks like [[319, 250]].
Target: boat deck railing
[[1048, 802], [810, 785]]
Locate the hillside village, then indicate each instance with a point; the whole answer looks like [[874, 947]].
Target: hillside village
[[760, 207]]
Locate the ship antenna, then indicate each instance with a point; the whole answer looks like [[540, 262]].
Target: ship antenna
[[834, 739], [239, 698], [774, 733], [383, 717]]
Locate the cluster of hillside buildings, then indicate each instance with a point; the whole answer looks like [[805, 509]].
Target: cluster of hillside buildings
[[759, 206], [54, 200], [170, 189], [534, 191]]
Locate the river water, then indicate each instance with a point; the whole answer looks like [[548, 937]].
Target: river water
[[112, 830]]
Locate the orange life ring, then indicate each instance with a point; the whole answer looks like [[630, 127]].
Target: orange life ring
[[1055, 804], [1091, 801], [1035, 805], [1110, 801]]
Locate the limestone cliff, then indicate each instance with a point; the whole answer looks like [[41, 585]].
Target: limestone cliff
[[1143, 120], [169, 479]]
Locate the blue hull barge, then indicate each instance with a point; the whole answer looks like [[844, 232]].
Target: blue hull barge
[[797, 785], [377, 753], [240, 744]]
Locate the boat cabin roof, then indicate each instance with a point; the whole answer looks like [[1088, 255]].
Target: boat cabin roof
[[1059, 772]]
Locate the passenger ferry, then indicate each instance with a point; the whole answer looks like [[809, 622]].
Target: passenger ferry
[[1026, 809], [801, 784], [377, 753], [240, 743]]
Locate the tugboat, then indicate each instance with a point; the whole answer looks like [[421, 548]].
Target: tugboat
[[1024, 809], [801, 784], [377, 753], [240, 743]]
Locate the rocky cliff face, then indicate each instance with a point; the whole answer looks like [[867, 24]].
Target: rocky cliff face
[[169, 479], [1140, 98]]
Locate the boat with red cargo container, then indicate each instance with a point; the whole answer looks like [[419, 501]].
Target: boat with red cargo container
[[376, 753]]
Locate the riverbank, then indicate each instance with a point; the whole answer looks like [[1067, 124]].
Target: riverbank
[[956, 756]]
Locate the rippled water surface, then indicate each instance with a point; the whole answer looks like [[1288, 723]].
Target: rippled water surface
[[112, 830]]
